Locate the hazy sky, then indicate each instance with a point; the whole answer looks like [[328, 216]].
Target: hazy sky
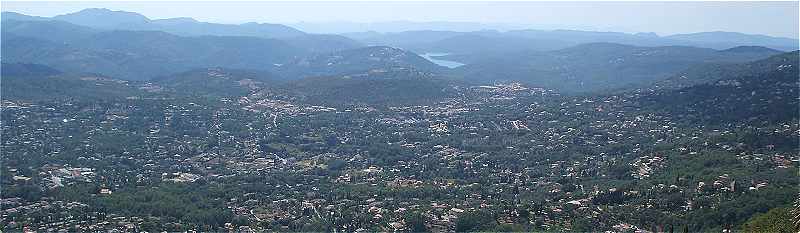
[[770, 18]]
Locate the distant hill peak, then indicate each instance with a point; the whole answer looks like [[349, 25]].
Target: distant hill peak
[[750, 49], [103, 18], [106, 12]]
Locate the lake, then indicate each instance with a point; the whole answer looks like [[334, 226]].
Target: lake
[[445, 63]]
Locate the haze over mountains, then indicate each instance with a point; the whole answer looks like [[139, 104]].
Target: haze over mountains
[[556, 39], [599, 66], [122, 20], [130, 46]]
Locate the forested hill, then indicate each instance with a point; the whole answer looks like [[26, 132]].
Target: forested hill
[[760, 93], [600, 66]]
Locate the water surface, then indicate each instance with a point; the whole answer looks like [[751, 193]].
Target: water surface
[[445, 63]]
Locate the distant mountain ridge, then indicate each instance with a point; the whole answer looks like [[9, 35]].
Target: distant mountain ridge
[[105, 19], [740, 39], [709, 73], [547, 40], [412, 37], [128, 45], [600, 66], [140, 55], [123, 20], [7, 15]]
